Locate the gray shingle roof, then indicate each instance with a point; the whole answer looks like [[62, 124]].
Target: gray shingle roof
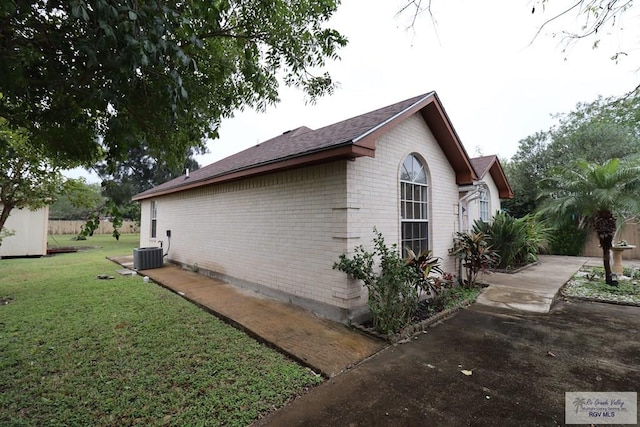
[[296, 143], [482, 164], [491, 164]]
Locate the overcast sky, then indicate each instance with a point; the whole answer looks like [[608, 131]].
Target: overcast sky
[[494, 85]]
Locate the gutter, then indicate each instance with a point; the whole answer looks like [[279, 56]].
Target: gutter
[[343, 150]]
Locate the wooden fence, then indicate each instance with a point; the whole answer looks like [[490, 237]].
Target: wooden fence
[[73, 227], [630, 233]]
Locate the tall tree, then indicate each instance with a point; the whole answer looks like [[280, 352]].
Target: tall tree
[[525, 171], [596, 131], [599, 194], [28, 179], [76, 200], [94, 79], [137, 173]]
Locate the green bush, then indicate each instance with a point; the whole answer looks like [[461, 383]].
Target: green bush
[[517, 240], [568, 239], [395, 287]]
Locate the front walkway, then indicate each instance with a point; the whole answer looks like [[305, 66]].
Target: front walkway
[[326, 347], [532, 289]]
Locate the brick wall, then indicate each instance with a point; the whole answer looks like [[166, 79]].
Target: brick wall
[[284, 231], [494, 202], [374, 189]]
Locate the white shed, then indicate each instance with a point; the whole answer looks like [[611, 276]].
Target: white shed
[[30, 233]]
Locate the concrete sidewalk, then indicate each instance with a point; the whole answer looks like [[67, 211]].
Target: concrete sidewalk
[[532, 289], [326, 347]]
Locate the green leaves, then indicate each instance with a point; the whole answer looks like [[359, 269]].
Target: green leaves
[[599, 195], [475, 255], [516, 240], [162, 74], [28, 178], [596, 132], [393, 289]]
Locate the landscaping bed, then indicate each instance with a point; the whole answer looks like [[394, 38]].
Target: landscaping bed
[[589, 284], [428, 313]]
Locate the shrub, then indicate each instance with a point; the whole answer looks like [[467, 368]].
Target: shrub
[[517, 240], [568, 238], [395, 287], [475, 255]]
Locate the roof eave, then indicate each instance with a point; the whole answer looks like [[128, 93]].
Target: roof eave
[[501, 181], [438, 121], [344, 151]]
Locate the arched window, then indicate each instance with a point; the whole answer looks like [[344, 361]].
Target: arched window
[[414, 212]]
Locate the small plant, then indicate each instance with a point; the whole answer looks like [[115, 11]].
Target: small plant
[[475, 255], [598, 272], [424, 264], [633, 273], [395, 287]]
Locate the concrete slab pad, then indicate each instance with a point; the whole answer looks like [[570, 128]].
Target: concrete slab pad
[[532, 289], [515, 299]]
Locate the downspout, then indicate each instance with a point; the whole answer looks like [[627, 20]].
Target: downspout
[[473, 193]]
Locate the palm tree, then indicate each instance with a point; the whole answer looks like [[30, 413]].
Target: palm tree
[[597, 194]]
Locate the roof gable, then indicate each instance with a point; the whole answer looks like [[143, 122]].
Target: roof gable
[[347, 139], [491, 165]]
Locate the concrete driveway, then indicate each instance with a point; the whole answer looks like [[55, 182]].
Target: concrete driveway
[[521, 363]]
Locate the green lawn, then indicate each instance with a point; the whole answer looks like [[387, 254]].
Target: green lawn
[[75, 350]]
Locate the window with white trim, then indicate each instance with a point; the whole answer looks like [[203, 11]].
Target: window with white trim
[[484, 205], [414, 206], [154, 218]]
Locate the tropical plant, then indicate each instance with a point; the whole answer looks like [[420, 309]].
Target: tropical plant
[[596, 131], [425, 264], [517, 240], [598, 194], [395, 287], [474, 254]]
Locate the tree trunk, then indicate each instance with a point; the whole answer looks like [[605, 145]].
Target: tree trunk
[[606, 244], [6, 210], [4, 215], [604, 223]]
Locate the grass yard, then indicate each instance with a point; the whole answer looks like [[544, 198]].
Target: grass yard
[[78, 351]]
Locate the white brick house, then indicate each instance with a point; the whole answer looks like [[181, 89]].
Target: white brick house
[[482, 199], [275, 217]]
